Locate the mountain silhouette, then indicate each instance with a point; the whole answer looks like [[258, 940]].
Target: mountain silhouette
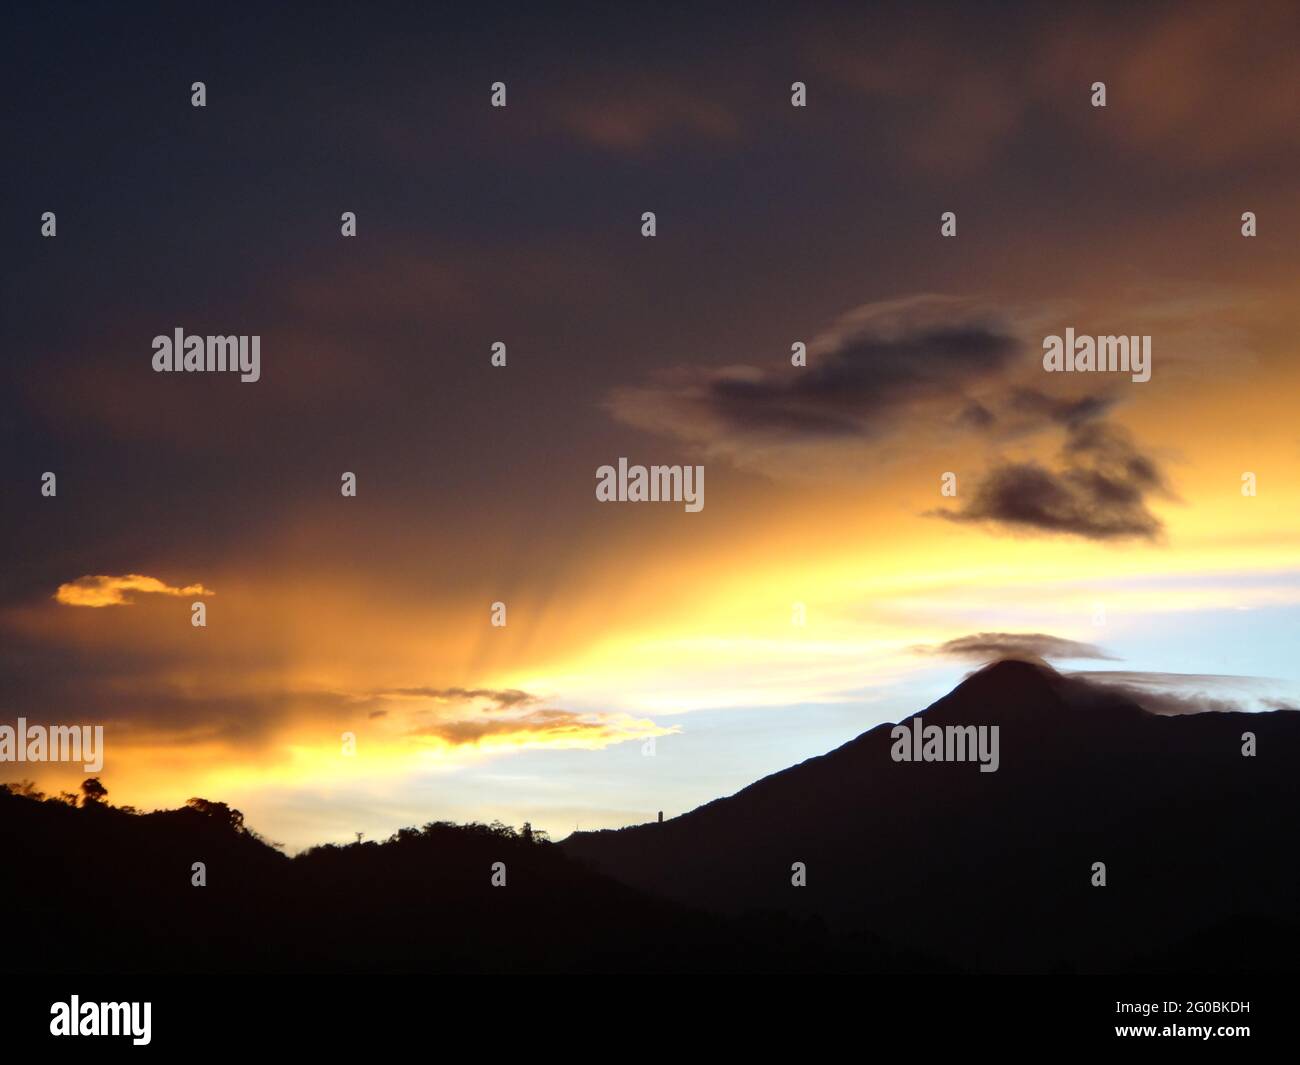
[[910, 866], [994, 870]]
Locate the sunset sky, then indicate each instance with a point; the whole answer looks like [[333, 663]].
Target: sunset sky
[[1089, 508]]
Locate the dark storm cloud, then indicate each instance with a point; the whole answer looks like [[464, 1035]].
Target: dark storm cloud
[[875, 370], [1099, 491], [869, 377], [916, 366], [874, 367], [990, 646]]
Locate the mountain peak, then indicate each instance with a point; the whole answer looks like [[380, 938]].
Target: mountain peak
[[1024, 690], [1007, 675], [1017, 679], [1021, 669]]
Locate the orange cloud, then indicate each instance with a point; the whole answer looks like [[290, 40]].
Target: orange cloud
[[102, 590], [549, 728]]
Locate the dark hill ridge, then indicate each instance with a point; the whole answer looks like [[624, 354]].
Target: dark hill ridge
[[98, 889], [993, 869]]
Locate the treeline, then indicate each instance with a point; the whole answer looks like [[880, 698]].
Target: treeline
[[106, 889]]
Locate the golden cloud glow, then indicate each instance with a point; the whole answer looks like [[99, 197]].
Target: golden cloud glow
[[100, 590]]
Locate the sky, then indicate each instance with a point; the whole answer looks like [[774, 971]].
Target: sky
[[652, 658]]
